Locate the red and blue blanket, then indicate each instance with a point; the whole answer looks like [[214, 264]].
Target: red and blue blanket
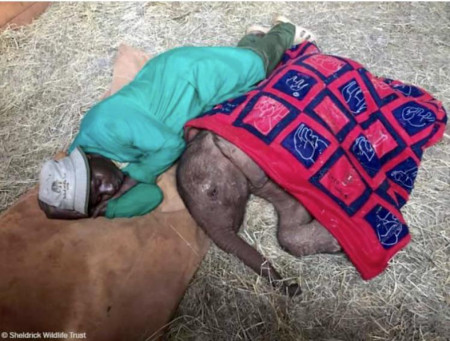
[[345, 143]]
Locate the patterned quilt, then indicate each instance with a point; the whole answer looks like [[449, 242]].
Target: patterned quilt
[[345, 143]]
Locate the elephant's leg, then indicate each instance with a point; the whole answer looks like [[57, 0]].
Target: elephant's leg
[[307, 239], [298, 233], [216, 192]]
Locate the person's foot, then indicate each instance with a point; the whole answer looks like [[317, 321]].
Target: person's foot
[[301, 34], [257, 30]]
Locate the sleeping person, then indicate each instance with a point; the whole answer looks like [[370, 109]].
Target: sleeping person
[[127, 140]]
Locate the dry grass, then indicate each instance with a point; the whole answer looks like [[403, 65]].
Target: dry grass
[[52, 71]]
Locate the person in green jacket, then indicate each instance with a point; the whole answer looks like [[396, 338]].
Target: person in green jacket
[[140, 127]]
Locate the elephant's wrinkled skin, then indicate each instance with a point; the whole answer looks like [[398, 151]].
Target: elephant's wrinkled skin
[[215, 179]]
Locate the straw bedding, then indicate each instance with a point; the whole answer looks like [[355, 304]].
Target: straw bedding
[[52, 71]]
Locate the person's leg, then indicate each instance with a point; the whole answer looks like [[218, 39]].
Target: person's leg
[[271, 46], [250, 39]]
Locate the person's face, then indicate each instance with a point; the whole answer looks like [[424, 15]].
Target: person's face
[[106, 179]]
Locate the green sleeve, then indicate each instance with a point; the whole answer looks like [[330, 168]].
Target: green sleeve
[[139, 200], [156, 161]]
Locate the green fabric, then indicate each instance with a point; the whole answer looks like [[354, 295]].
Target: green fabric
[[271, 46], [138, 201], [142, 124]]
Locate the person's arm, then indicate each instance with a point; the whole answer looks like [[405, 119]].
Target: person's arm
[[157, 161], [139, 200], [100, 208], [135, 200]]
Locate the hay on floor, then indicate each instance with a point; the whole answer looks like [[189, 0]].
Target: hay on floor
[[52, 71]]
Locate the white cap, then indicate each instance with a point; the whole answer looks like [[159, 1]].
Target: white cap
[[65, 183]]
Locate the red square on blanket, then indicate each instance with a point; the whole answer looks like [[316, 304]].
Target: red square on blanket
[[266, 114], [382, 142], [326, 65], [382, 88], [343, 181], [331, 114]]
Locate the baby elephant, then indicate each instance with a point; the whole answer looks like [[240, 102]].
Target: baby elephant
[[215, 179]]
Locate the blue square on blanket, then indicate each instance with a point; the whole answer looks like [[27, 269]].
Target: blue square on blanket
[[305, 144], [404, 174], [408, 90], [226, 107], [354, 97], [364, 152], [295, 84], [414, 117], [387, 227]]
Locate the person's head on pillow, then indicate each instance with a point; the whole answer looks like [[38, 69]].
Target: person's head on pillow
[[72, 187]]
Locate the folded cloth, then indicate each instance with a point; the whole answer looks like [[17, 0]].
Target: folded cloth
[[345, 143]]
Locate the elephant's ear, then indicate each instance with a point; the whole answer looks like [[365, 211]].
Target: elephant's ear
[[190, 133], [243, 162]]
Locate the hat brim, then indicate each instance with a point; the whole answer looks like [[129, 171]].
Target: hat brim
[[82, 180]]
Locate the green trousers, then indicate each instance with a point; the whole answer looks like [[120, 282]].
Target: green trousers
[[272, 45]]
